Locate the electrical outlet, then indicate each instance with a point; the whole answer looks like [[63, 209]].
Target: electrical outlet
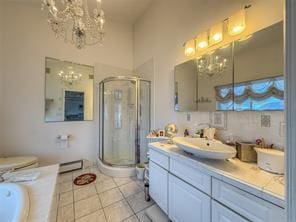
[[265, 120], [188, 117]]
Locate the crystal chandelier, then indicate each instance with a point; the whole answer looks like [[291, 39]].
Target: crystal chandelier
[[69, 77], [72, 21], [210, 65]]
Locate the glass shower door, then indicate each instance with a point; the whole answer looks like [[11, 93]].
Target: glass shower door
[[120, 122], [144, 119]]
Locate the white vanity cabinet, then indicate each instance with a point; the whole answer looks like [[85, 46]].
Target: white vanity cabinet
[[223, 214], [158, 185], [187, 203], [186, 192]]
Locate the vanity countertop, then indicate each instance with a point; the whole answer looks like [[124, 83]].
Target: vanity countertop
[[246, 176], [41, 192]]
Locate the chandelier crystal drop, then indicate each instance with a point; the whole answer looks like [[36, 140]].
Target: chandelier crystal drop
[[74, 22]]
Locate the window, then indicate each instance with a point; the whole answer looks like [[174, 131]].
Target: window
[[264, 94]]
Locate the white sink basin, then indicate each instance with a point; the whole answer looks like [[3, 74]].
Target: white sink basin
[[203, 148], [14, 203]]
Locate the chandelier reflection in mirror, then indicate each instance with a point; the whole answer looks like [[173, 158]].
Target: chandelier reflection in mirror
[[69, 77], [211, 65], [74, 22]]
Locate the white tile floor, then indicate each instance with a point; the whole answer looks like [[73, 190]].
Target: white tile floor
[[105, 200]]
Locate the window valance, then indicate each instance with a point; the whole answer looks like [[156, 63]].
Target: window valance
[[256, 90]]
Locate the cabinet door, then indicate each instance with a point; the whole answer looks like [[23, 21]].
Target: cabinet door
[[158, 181], [223, 214], [186, 203]]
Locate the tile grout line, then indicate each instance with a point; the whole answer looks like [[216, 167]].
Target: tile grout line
[[125, 198], [101, 203]]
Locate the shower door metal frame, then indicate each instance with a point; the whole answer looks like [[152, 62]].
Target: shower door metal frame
[[137, 80]]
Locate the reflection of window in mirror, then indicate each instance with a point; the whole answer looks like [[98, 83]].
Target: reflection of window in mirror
[[68, 91], [257, 95], [74, 106], [258, 70]]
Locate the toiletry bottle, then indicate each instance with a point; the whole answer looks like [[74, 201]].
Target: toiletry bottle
[[201, 133], [186, 133]]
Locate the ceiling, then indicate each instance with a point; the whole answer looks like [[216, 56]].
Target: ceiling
[[126, 11]]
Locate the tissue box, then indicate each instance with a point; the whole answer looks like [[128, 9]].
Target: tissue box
[[246, 152]]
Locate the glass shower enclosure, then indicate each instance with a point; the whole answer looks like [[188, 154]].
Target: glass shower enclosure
[[124, 120]]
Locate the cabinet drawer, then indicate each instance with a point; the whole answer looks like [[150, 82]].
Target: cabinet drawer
[[223, 214], [245, 204], [186, 203], [191, 175], [159, 158]]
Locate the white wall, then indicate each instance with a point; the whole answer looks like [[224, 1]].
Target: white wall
[[160, 34], [27, 40]]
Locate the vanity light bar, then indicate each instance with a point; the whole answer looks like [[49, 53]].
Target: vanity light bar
[[236, 24]]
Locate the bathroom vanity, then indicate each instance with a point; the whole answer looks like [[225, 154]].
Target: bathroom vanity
[[188, 188]]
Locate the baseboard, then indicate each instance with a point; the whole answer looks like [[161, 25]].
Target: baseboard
[[71, 166]]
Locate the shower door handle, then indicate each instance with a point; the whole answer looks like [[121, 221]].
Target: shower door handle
[[137, 144]]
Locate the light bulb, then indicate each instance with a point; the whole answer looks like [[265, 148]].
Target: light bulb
[[217, 37], [202, 41], [202, 44], [190, 48], [237, 29], [216, 33]]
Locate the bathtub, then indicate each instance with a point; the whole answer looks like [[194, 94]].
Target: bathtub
[[14, 202]]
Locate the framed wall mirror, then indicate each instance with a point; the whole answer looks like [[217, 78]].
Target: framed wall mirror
[[68, 91], [244, 75]]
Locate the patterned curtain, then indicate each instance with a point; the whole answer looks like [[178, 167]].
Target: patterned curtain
[[257, 90]]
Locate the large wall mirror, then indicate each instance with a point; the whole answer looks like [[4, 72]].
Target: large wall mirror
[[186, 86], [68, 91], [244, 75]]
